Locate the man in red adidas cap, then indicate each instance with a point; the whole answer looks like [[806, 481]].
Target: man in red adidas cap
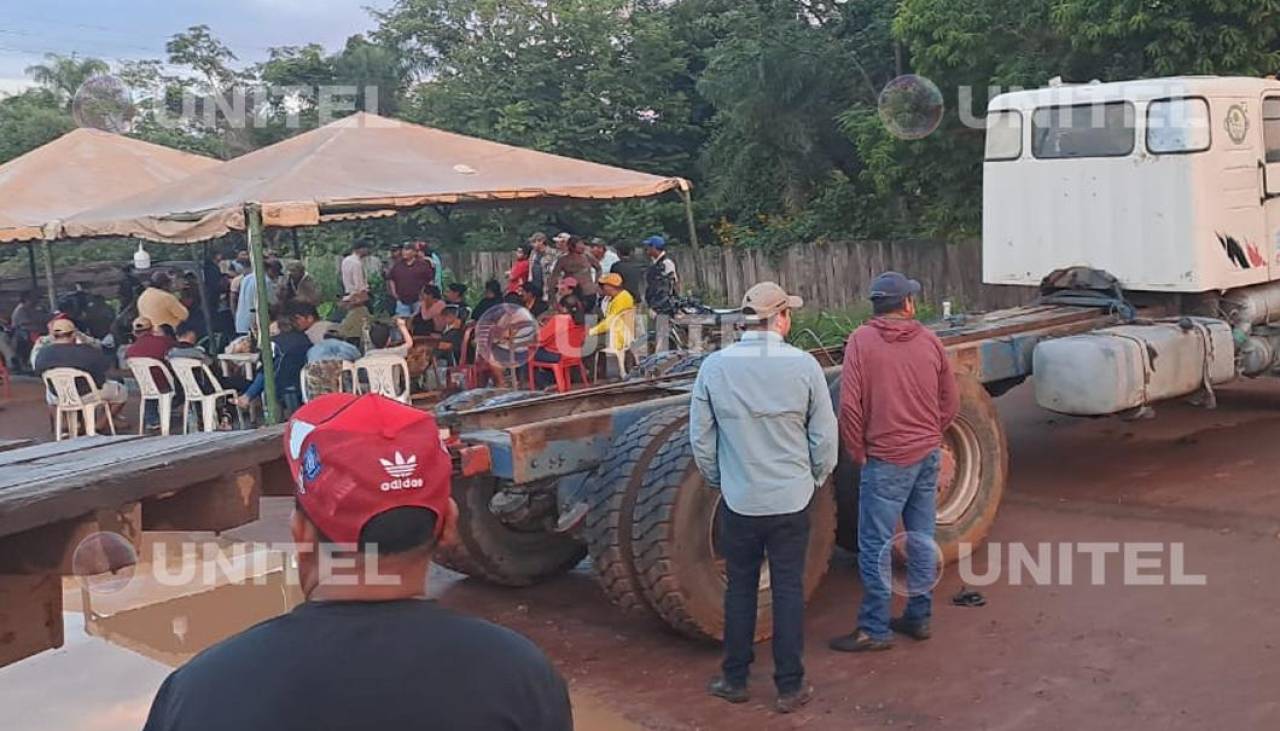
[[366, 650]]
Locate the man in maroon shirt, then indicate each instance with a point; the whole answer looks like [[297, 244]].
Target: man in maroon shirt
[[897, 397], [407, 277]]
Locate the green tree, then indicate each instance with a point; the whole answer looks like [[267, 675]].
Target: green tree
[[596, 79], [1134, 38], [29, 120], [63, 75]]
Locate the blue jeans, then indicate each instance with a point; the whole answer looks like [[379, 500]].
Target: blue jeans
[[745, 541], [403, 310], [889, 492]]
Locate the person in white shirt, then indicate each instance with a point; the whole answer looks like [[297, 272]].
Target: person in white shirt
[[353, 276], [604, 254]]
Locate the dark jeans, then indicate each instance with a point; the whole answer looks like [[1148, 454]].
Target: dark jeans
[[745, 541], [887, 493], [543, 377]]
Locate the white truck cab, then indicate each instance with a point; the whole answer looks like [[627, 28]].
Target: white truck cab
[[1170, 185]]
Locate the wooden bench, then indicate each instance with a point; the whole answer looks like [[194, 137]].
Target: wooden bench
[[55, 495]]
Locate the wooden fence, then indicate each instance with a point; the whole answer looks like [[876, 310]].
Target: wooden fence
[[828, 276]]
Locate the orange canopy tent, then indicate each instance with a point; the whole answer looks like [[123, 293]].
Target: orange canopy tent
[[360, 166], [82, 169], [357, 167]]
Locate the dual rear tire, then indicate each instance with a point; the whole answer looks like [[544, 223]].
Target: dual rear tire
[[651, 532]]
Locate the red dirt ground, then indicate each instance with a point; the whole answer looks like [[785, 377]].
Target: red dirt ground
[[1036, 657]]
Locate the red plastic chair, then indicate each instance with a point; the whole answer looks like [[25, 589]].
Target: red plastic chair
[[560, 370], [470, 371]]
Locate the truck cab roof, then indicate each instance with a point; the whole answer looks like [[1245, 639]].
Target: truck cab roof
[[1137, 90]]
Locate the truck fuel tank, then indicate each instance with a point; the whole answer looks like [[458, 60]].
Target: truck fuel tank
[[1121, 368]]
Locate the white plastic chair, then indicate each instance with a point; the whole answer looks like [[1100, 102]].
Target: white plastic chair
[[64, 382], [145, 376], [624, 325], [185, 369], [380, 373]]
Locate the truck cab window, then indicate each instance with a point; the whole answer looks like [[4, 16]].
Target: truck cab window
[[1004, 135], [1271, 127], [1177, 125], [1083, 130]]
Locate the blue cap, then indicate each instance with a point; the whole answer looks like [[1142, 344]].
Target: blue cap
[[656, 242], [892, 285]]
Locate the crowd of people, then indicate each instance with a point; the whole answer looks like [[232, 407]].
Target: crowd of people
[[577, 290]]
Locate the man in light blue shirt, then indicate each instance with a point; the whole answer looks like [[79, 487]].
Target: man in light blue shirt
[[247, 304], [764, 433]]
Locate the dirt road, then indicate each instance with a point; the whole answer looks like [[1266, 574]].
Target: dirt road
[[1038, 656]]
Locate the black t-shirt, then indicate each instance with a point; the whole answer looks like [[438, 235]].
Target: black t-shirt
[[632, 273], [390, 666], [74, 355]]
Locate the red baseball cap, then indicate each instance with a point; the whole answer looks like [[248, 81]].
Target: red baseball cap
[[356, 457]]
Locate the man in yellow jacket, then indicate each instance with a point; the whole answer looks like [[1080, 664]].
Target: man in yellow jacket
[[617, 303], [159, 305]]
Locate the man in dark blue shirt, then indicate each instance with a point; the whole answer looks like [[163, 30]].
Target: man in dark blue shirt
[[366, 650]]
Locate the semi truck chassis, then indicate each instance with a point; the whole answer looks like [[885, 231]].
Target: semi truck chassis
[[607, 471]]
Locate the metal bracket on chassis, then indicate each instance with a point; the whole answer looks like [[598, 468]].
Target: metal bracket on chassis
[[531, 507]]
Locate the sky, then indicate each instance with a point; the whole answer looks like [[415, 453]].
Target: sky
[[136, 29]]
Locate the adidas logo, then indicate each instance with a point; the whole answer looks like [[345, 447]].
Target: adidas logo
[[401, 471], [401, 467]]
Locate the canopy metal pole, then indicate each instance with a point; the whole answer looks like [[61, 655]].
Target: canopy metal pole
[[48, 275], [253, 229], [693, 236], [31, 260], [201, 255], [297, 248]]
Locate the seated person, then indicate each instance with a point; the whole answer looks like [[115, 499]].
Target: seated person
[[449, 349], [492, 297], [617, 303], [428, 319], [568, 286], [455, 295], [306, 319], [64, 350], [151, 342], [380, 337], [325, 359], [562, 335], [185, 346], [353, 323], [531, 298], [289, 350]]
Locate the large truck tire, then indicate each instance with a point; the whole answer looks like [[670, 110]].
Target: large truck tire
[[488, 549], [611, 496], [975, 468], [675, 552]]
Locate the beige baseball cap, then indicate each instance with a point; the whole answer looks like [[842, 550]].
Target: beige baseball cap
[[142, 324], [767, 299], [61, 326]]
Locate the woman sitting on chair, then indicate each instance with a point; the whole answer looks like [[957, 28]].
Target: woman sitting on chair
[[561, 336]]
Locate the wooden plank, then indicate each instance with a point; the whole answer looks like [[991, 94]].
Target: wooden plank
[[54, 449], [7, 445], [225, 502], [53, 548], [50, 490], [30, 616]]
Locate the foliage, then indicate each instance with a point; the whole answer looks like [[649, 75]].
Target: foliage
[[770, 107], [63, 75]]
